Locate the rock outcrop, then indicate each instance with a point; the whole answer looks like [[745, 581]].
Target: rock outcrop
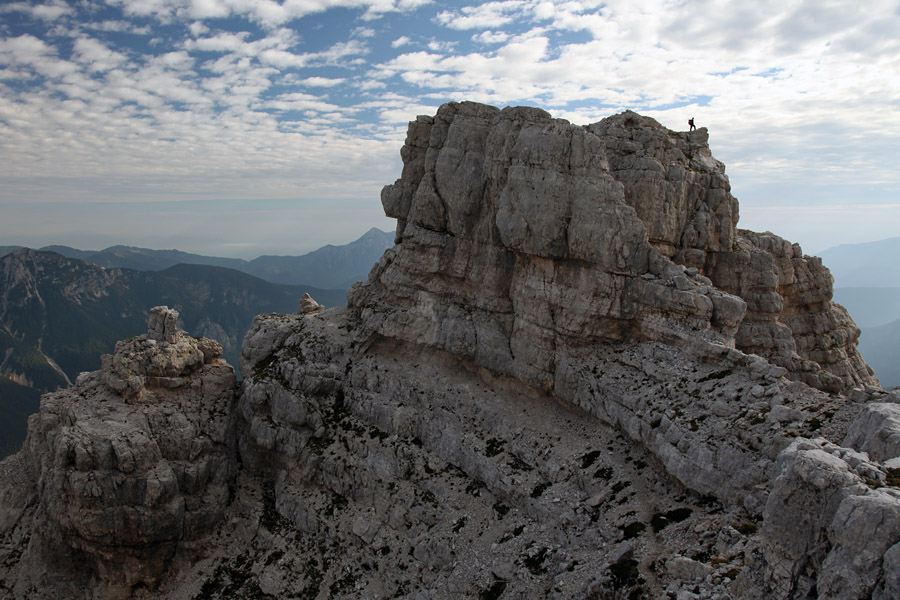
[[123, 466], [572, 377], [573, 233]]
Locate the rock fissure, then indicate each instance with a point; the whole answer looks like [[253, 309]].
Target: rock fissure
[[572, 377]]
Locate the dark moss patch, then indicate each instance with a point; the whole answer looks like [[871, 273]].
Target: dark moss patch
[[632, 530], [274, 557], [662, 520], [715, 376], [269, 517], [590, 458], [624, 573], [604, 473], [711, 503], [342, 585], [512, 534], [746, 527], [493, 447], [474, 488], [337, 503], [518, 464], [539, 489], [893, 477], [494, 592], [535, 562], [459, 524], [619, 486], [232, 580]]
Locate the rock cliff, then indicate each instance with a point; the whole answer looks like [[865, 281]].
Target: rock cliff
[[122, 467], [571, 377]]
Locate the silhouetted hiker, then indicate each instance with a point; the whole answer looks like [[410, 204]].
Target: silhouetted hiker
[[691, 123]]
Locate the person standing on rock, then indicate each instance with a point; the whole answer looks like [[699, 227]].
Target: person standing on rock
[[691, 124]]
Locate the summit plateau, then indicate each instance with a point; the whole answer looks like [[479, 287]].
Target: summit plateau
[[572, 376]]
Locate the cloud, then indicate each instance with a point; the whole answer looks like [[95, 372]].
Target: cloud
[[441, 46], [363, 32], [198, 28], [268, 13], [300, 102], [483, 16], [275, 49], [45, 12], [29, 52], [490, 37], [252, 103], [321, 82], [97, 55]]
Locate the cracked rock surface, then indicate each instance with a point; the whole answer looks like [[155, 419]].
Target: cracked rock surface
[[572, 377]]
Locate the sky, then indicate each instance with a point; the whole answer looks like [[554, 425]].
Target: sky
[[249, 127]]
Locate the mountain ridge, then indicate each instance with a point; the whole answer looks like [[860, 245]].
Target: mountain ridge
[[572, 376], [329, 267], [58, 315], [866, 264]]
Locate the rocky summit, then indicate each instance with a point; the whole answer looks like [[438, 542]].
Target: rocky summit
[[571, 377]]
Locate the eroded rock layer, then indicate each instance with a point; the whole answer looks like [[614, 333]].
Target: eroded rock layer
[[126, 464], [523, 235], [572, 377]]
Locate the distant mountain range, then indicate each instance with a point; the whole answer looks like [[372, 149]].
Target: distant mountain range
[[867, 284], [61, 308], [870, 264], [329, 267]]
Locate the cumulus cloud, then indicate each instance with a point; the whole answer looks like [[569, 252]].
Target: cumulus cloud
[[268, 13], [97, 55], [50, 11], [490, 37], [483, 16], [363, 32], [239, 97], [324, 82]]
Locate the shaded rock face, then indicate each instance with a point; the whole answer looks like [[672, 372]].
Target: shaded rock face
[[126, 464]]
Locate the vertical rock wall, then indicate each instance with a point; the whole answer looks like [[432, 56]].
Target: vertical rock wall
[[520, 235]]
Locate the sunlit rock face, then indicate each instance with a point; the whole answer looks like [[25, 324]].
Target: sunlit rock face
[[520, 236], [572, 377]]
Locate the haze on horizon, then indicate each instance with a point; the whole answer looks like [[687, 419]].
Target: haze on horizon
[[249, 127]]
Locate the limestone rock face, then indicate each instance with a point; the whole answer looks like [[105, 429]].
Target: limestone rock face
[[572, 377], [125, 465], [829, 524], [516, 242], [599, 267], [520, 236], [876, 431], [309, 306], [683, 197]]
